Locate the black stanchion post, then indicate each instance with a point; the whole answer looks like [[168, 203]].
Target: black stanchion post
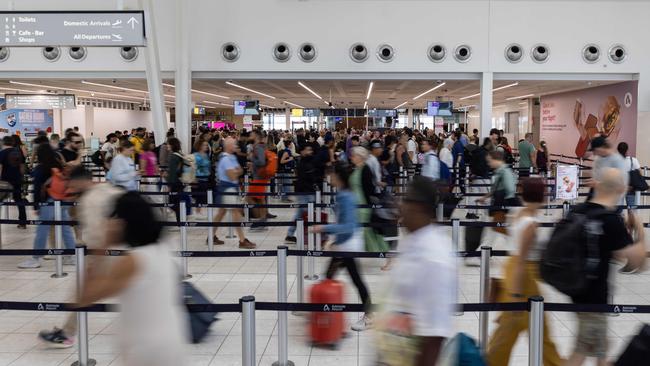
[[283, 337], [58, 240], [210, 214], [536, 331], [247, 213], [300, 280], [645, 174], [311, 274], [82, 317], [248, 330], [2, 217], [484, 293], [184, 259]]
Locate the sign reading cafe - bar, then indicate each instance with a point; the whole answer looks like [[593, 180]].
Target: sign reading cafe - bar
[[78, 28]]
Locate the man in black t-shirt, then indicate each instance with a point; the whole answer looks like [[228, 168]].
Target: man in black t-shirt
[[12, 169], [617, 242], [70, 153]]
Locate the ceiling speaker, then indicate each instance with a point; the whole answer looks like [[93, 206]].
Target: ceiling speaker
[[281, 52], [385, 53], [307, 52], [617, 54], [4, 54], [51, 53], [437, 53], [514, 53], [591, 53], [540, 53], [463, 53], [230, 52], [77, 53], [358, 52], [129, 53]]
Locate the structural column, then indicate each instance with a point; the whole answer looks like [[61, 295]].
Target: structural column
[[287, 119], [487, 79], [154, 80], [410, 121], [89, 123], [183, 76]]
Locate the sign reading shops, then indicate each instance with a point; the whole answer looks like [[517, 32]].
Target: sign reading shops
[[77, 28]]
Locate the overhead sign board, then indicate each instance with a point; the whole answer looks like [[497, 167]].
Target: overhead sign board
[[40, 101], [78, 28]]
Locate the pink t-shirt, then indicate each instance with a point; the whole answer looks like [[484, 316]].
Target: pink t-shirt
[[150, 158]]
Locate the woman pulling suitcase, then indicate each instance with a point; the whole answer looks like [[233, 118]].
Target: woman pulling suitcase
[[348, 237]]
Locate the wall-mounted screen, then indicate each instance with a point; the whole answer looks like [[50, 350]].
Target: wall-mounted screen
[[296, 112], [246, 107], [380, 113], [315, 112]]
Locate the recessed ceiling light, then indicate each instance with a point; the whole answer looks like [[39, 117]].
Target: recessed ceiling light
[[248, 89], [401, 105], [369, 90], [198, 91], [430, 90], [494, 90], [309, 90]]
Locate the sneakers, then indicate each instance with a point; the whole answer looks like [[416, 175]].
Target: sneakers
[[55, 338], [471, 216], [30, 263], [290, 240], [363, 324], [68, 260], [21, 226], [216, 241], [247, 244], [627, 270]]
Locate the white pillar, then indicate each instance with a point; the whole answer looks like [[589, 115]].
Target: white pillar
[[119, 4], [486, 104], [89, 123], [287, 119], [154, 80], [410, 121], [183, 76]]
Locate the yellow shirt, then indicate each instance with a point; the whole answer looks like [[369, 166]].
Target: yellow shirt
[[137, 144]]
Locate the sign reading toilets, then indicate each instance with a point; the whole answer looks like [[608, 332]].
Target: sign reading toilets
[[570, 120], [26, 122]]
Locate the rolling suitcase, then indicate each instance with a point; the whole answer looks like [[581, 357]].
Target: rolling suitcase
[[326, 328], [473, 238], [638, 350]]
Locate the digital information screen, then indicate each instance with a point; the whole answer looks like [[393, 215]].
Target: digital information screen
[[381, 113], [83, 28], [432, 108], [315, 112], [296, 112], [40, 101], [246, 107]]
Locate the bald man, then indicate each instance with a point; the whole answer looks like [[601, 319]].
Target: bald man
[[228, 173], [616, 241]]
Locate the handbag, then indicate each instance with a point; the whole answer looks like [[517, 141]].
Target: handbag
[[199, 322], [637, 181]]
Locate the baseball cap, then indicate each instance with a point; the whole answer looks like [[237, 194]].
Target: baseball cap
[[376, 144], [597, 142]]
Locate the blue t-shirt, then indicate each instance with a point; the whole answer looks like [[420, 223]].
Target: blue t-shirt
[[202, 165], [227, 162]]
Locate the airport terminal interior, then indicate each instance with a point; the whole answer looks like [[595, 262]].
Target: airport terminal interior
[[314, 183]]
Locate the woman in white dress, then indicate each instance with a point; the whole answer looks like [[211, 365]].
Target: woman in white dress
[[154, 331]]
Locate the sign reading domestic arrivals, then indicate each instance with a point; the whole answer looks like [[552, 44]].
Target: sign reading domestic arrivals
[[77, 28], [40, 101]]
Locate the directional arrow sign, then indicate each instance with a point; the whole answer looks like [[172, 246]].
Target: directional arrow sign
[[76, 28]]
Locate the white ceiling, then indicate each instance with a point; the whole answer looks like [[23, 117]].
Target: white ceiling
[[386, 94]]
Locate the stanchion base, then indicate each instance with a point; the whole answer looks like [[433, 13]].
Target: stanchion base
[[613, 314], [311, 278], [61, 276], [300, 313], [91, 362], [187, 276], [289, 363], [458, 313], [231, 236]]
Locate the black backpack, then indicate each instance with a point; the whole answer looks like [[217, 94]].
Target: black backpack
[[96, 158], [572, 255]]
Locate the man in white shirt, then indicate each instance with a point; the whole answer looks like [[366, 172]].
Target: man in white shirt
[[376, 149], [412, 149], [431, 163], [109, 148], [424, 306]]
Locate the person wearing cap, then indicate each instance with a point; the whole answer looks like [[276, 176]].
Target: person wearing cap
[[422, 286], [376, 149], [606, 156]]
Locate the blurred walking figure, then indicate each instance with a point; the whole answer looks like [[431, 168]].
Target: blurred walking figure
[[417, 317], [154, 331], [348, 238], [521, 278], [123, 171]]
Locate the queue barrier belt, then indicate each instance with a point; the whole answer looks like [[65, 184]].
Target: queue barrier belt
[[336, 308]]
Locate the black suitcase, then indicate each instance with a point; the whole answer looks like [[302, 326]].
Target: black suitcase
[[199, 322], [473, 237], [638, 351]]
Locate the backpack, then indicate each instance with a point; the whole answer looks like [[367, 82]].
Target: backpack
[[572, 255], [461, 350], [271, 167], [96, 158], [188, 173]]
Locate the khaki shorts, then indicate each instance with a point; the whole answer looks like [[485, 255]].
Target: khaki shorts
[[229, 198], [592, 335]]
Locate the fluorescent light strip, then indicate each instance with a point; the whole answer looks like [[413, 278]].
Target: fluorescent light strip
[[365, 104], [309, 90], [41, 86], [250, 90], [505, 86], [294, 104], [401, 105], [122, 88], [217, 103], [430, 90], [523, 103], [372, 83], [521, 97], [199, 92], [495, 89]]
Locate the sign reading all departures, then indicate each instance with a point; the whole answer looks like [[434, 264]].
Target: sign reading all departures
[[78, 28]]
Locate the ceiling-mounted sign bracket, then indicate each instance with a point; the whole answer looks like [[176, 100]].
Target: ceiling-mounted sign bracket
[[72, 28]]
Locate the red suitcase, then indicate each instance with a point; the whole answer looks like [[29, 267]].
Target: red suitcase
[[326, 328]]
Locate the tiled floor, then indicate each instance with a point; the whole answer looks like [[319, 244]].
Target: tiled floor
[[225, 280]]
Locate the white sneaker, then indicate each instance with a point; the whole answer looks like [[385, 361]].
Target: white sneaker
[[68, 260], [363, 324], [30, 263]]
